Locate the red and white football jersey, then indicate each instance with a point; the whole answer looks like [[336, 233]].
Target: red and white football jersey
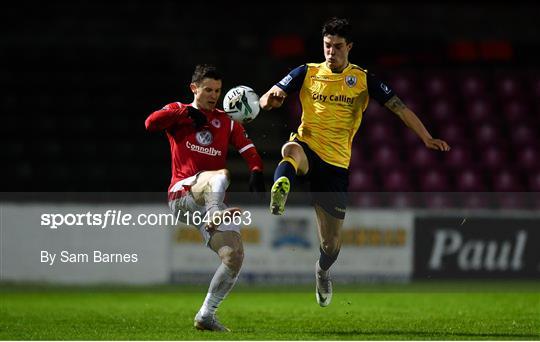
[[205, 149]]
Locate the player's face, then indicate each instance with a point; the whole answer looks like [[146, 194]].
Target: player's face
[[206, 93], [336, 52]]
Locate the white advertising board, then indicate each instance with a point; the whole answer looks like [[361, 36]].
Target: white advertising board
[[376, 245]]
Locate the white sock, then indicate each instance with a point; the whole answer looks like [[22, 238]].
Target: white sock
[[215, 195], [221, 284]]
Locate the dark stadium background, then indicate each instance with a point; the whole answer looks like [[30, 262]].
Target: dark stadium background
[[79, 79]]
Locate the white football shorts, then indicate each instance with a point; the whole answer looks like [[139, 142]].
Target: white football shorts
[[185, 205]]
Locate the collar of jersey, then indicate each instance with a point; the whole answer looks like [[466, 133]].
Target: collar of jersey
[[204, 111], [347, 68]]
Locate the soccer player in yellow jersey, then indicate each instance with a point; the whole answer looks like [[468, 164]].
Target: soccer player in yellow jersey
[[334, 94]]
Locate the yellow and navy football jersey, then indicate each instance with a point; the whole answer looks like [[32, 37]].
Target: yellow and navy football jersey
[[332, 106]]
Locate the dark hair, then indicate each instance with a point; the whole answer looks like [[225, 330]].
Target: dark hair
[[203, 71], [338, 27]]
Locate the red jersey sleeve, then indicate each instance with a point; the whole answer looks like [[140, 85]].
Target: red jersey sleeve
[[173, 113], [245, 147]]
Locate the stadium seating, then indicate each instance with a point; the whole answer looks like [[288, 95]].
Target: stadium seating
[[487, 134], [437, 84], [358, 158], [515, 111], [523, 134], [493, 157], [453, 133], [474, 200], [535, 85], [528, 158], [437, 200], [508, 86], [479, 109], [421, 157], [506, 180], [434, 180], [534, 181], [469, 180], [410, 138], [362, 180], [380, 132], [397, 180], [403, 83], [489, 121], [458, 157], [472, 85], [441, 109], [386, 155], [366, 200], [80, 129], [403, 200]]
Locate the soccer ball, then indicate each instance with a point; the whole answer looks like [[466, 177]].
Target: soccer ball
[[241, 103]]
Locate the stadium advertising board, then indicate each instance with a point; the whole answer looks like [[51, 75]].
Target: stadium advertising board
[[477, 247], [377, 245]]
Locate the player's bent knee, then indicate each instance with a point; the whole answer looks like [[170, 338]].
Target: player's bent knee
[[225, 173], [292, 150], [296, 152], [232, 258], [221, 179]]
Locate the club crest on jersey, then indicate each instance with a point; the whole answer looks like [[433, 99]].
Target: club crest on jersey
[[204, 138], [216, 123], [350, 80]]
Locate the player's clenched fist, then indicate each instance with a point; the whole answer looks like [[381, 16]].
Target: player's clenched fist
[[199, 119]]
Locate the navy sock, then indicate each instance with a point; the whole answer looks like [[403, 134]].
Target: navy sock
[[285, 169], [325, 260]]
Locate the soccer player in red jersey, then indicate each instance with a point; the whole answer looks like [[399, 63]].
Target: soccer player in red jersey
[[199, 135]]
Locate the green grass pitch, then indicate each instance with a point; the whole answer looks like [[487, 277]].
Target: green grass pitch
[[488, 310]]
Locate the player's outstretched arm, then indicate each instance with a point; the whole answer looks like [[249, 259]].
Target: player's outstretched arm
[[273, 98], [165, 117], [173, 114], [413, 122]]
